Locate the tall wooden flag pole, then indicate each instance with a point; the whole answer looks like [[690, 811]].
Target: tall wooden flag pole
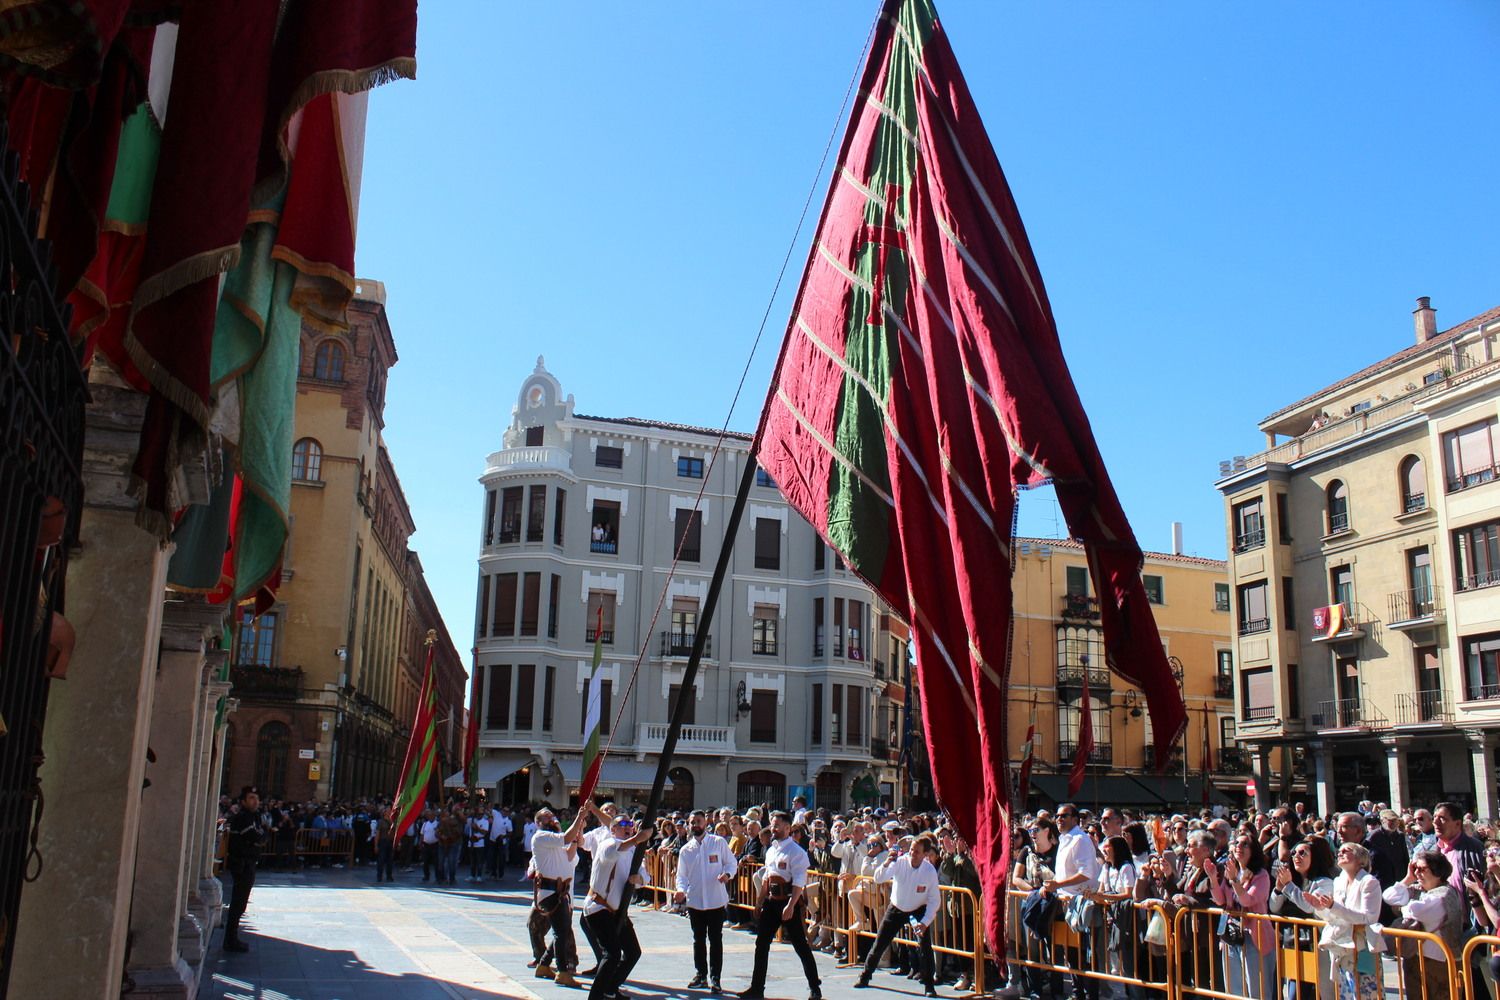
[[690, 672]]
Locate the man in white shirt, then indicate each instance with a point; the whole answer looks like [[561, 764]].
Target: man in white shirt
[[500, 830], [704, 870], [779, 906], [915, 903], [606, 913], [589, 846], [428, 834], [554, 855], [1077, 871], [527, 832], [478, 836], [800, 812]]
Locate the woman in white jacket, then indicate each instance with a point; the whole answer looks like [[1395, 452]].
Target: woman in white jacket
[[1352, 938]]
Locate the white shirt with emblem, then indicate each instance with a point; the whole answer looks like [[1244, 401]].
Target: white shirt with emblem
[[784, 858], [699, 865], [914, 887]]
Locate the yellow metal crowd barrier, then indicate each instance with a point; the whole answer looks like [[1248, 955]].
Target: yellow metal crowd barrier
[[1154, 950], [337, 843]]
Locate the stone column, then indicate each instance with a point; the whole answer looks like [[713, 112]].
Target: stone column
[[70, 934], [1395, 766], [1482, 751], [157, 909], [205, 891], [1262, 772], [1323, 776]]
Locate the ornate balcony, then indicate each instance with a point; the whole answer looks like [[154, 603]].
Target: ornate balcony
[[1070, 675], [1223, 686], [1233, 760], [1080, 607], [713, 740]]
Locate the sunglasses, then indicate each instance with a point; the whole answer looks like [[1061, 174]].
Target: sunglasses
[[1301, 850]]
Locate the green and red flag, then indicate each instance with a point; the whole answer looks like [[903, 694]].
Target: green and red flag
[[421, 751], [593, 760], [920, 385]]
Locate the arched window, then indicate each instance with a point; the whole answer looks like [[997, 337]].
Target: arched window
[[1338, 507], [756, 787], [680, 796], [1413, 484], [228, 756], [328, 362], [307, 460], [271, 750]]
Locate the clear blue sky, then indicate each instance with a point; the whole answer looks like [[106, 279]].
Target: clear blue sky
[[1232, 205]]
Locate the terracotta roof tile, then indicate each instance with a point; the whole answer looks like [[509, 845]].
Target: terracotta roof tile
[[1438, 340], [1068, 543]]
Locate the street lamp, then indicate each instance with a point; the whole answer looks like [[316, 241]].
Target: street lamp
[[742, 705]]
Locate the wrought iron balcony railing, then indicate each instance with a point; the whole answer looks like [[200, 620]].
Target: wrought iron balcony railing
[[1067, 750], [606, 636], [1223, 686], [1233, 760], [1482, 692], [1080, 607], [1420, 604], [681, 643], [1252, 626], [1071, 675], [1414, 502], [1338, 522], [1478, 581], [763, 647], [1349, 713], [1250, 540], [1422, 707], [1471, 478], [266, 682]]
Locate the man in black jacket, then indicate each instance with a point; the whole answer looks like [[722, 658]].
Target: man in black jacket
[[245, 832]]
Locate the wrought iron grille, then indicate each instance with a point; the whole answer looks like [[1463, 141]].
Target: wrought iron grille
[[42, 397]]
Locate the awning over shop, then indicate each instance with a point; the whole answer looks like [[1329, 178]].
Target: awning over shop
[[1173, 792], [616, 773], [493, 768], [1097, 792]]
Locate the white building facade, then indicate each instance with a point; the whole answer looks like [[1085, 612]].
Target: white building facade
[[581, 517]]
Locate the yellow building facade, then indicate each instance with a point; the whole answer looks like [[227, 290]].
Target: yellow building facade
[[1057, 640], [1365, 558]]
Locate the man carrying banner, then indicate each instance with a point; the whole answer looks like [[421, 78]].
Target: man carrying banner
[[705, 867], [779, 906], [553, 854], [611, 928]]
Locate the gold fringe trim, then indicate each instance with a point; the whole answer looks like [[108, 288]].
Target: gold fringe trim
[[239, 306], [341, 81], [123, 228], [199, 267], [93, 293]]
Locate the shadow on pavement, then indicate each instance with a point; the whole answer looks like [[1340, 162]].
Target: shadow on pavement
[[290, 970]]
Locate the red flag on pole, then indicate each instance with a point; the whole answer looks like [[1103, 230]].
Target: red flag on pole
[[1085, 737], [920, 385], [421, 751], [471, 734]]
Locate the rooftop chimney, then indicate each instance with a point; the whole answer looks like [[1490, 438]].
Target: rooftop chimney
[[1177, 538], [1426, 319]]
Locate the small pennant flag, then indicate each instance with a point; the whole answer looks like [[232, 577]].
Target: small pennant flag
[[1028, 754]]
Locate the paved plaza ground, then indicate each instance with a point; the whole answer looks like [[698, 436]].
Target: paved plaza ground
[[331, 934]]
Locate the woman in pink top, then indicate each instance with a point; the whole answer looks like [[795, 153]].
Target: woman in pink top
[[1248, 942]]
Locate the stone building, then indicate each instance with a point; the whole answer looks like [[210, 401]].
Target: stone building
[[1057, 640], [1365, 547], [327, 680], [580, 520]]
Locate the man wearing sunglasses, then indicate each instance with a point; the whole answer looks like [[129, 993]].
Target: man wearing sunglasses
[[606, 913]]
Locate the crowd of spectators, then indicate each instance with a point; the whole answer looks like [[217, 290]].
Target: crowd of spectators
[[1436, 870]]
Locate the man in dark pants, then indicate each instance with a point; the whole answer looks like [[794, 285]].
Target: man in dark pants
[[608, 896], [780, 907], [915, 902], [705, 867], [245, 834], [385, 846], [554, 856]]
